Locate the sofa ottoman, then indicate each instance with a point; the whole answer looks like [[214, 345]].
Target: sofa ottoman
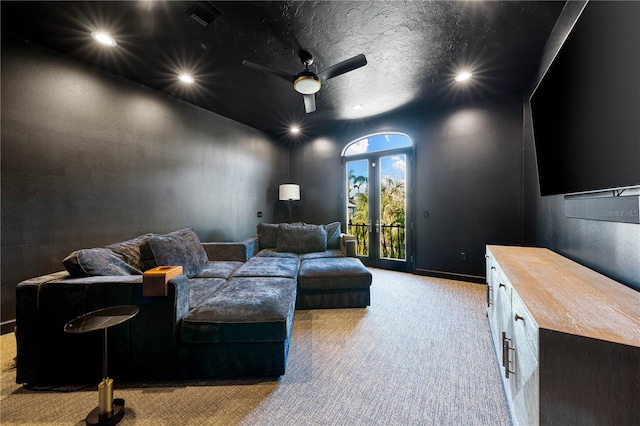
[[243, 329], [333, 283]]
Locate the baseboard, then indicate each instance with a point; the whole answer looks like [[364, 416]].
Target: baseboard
[[451, 276], [7, 326]]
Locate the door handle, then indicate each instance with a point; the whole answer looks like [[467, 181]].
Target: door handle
[[377, 226], [369, 226]]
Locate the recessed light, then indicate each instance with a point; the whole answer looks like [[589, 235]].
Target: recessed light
[[463, 76], [186, 78], [103, 38], [357, 107], [294, 129]]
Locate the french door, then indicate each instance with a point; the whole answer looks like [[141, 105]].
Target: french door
[[377, 207]]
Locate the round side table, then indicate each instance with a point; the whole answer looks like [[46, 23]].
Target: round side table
[[109, 411]]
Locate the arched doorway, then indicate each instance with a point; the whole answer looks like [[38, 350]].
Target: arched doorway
[[377, 170]]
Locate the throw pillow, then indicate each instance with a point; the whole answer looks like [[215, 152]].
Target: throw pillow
[[133, 252], [180, 248], [301, 238], [268, 235], [147, 259], [97, 261], [333, 235]]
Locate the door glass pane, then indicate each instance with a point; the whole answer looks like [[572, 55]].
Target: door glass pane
[[358, 203], [376, 143], [393, 206]]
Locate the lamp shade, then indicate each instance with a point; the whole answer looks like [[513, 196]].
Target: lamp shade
[[289, 191]]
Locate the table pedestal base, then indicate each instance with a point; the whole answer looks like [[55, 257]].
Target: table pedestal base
[[109, 419], [110, 410]]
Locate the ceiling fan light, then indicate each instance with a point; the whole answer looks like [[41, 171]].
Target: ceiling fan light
[[307, 84]]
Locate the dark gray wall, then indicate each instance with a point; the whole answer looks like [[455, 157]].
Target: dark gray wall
[[89, 159], [610, 248], [468, 176], [469, 162]]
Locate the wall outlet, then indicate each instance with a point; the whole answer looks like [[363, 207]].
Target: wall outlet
[[463, 257], [259, 214]]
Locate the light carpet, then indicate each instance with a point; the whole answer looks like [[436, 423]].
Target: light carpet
[[419, 355]]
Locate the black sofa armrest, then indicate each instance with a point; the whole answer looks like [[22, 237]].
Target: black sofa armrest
[[146, 345], [240, 251]]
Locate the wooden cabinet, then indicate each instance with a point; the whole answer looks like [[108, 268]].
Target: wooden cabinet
[[567, 339]]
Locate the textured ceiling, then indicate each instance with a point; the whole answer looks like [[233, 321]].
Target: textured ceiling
[[413, 48]]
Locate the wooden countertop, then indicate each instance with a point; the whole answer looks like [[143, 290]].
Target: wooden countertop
[[564, 296]]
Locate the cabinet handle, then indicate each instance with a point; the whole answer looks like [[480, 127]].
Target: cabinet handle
[[486, 256], [506, 361], [489, 290], [518, 317], [502, 285], [504, 352], [493, 268]]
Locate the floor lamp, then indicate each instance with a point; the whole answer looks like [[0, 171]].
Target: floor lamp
[[288, 192]]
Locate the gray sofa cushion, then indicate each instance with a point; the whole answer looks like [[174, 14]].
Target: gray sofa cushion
[[321, 254], [269, 267], [272, 252], [201, 289], [256, 309], [97, 261], [333, 235], [219, 269], [180, 248], [301, 238], [268, 235]]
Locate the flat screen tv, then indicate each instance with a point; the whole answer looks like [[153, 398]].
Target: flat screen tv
[[586, 108]]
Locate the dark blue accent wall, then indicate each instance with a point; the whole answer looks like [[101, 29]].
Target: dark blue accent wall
[[90, 159]]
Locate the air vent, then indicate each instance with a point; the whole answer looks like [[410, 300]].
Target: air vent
[[203, 12]]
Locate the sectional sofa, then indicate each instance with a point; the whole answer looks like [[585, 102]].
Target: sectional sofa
[[230, 314]]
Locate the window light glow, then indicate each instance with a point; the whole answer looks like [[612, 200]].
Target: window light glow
[[103, 38], [463, 76], [357, 107], [186, 78]]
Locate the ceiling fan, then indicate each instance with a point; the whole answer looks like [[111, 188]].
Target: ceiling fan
[[308, 83]]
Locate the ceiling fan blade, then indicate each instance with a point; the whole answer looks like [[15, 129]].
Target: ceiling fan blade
[[309, 103], [282, 74], [343, 67]]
